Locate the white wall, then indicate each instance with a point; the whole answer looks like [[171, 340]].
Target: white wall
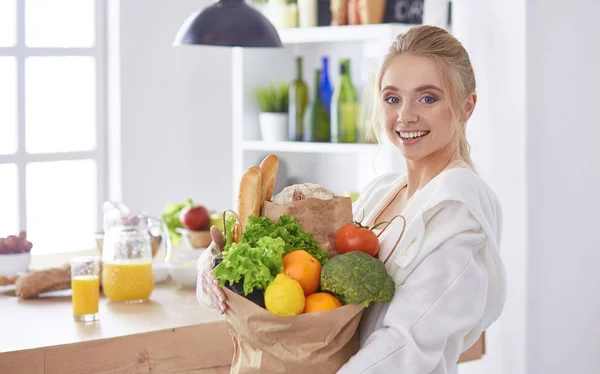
[[494, 35], [531, 101], [175, 115], [533, 135], [563, 79]]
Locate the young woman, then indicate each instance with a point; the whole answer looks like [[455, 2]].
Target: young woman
[[443, 252]]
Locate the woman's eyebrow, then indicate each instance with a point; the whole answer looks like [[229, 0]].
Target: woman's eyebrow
[[390, 88], [418, 89], [428, 87]]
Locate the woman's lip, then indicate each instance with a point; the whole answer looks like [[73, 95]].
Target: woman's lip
[[411, 141], [412, 130]]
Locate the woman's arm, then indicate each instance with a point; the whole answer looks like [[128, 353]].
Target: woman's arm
[[438, 305]]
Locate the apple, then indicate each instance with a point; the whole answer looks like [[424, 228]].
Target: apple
[[195, 218]]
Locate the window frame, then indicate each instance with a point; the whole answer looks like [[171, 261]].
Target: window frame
[[20, 51]]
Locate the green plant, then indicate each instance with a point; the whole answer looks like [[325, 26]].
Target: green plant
[[273, 98]]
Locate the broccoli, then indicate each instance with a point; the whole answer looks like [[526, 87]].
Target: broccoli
[[357, 278]]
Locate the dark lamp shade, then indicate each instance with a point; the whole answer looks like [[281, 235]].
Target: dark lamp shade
[[228, 23]]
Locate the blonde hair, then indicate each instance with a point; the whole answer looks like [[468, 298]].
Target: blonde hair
[[458, 78]]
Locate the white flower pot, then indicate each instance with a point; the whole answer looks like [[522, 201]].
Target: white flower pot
[[307, 13], [274, 127]]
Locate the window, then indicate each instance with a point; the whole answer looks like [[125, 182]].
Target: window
[[52, 121]]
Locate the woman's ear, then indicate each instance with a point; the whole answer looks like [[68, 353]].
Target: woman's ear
[[470, 105]]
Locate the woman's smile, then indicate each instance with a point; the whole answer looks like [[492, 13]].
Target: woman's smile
[[411, 137]]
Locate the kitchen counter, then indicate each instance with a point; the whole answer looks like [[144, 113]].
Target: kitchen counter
[[170, 333]]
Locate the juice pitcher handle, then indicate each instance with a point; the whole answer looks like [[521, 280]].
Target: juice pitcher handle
[[159, 228]]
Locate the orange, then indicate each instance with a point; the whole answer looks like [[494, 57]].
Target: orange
[[320, 301], [304, 268]]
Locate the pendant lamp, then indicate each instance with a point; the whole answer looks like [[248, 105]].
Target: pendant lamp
[[228, 23]]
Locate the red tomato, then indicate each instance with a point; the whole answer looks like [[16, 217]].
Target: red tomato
[[351, 237]]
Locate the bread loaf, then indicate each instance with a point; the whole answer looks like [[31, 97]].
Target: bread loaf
[[301, 192], [268, 168], [250, 195]]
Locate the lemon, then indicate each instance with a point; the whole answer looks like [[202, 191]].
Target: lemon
[[284, 296]]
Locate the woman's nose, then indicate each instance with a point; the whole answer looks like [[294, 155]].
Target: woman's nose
[[407, 114]]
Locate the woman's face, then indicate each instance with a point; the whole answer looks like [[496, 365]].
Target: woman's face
[[417, 117]]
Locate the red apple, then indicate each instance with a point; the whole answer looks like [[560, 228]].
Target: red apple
[[195, 218]]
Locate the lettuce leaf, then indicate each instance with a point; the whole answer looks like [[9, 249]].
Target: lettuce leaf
[[257, 258], [256, 265], [286, 228]]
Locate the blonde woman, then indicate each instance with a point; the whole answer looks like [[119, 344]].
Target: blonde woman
[[443, 252]]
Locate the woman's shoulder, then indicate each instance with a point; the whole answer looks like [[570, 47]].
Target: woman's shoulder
[[463, 184], [466, 187]]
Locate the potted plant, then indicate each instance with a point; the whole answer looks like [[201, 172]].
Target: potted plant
[[260, 5], [273, 101]]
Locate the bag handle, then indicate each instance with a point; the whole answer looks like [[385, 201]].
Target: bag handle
[[399, 238], [237, 228]]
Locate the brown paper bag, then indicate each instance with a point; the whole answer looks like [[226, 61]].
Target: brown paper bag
[[321, 218], [264, 343]]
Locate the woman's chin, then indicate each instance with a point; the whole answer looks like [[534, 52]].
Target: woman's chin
[[410, 153]]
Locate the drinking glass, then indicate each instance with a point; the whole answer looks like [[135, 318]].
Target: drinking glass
[[85, 287]]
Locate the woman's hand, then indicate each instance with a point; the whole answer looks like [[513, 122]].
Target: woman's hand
[[208, 282]]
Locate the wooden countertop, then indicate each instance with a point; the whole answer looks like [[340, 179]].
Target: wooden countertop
[[169, 333]]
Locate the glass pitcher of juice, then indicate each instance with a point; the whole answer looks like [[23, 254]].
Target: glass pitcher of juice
[[127, 253]]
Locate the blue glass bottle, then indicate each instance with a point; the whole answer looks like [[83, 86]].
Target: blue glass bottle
[[325, 84]]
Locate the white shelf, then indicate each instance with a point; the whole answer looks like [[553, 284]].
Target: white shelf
[[353, 33], [306, 147]]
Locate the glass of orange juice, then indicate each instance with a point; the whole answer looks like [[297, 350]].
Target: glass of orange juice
[[85, 287]]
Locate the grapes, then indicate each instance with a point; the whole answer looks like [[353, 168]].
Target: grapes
[[14, 244]]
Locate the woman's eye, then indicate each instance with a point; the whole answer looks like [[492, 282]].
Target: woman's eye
[[392, 100], [428, 100]]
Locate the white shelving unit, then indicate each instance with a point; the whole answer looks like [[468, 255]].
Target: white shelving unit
[[338, 167], [339, 34], [306, 147]]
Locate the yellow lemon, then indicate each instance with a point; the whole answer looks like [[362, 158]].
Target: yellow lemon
[[284, 296]]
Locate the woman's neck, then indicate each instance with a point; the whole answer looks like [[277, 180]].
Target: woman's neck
[[420, 172]]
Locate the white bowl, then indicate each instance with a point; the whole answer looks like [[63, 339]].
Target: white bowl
[[160, 270], [190, 254], [184, 273], [14, 263]]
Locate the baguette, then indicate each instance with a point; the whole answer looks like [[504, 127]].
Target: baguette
[[268, 170], [249, 197]]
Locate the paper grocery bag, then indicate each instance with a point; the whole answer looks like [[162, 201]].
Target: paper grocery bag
[[321, 218], [310, 343]]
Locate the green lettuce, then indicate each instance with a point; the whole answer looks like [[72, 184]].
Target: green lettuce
[[256, 265], [286, 228], [257, 258]]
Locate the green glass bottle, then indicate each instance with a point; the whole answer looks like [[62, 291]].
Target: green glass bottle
[[367, 100], [318, 124], [298, 104], [345, 108]]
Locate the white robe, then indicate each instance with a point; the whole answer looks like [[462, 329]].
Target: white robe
[[450, 280]]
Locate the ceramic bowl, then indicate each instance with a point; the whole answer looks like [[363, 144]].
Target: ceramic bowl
[[160, 270], [184, 273], [195, 239], [14, 263]]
